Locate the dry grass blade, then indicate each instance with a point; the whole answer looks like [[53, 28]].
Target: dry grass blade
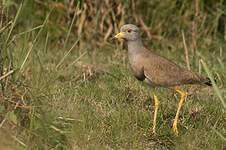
[[2, 13], [12, 26], [186, 51], [69, 31], [19, 141], [34, 41], [218, 133], [6, 75], [61, 61], [6, 26], [109, 31], [30, 30], [82, 21], [3, 121], [145, 28], [83, 54], [200, 66], [56, 129]]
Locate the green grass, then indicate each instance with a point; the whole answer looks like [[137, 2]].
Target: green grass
[[76, 95]]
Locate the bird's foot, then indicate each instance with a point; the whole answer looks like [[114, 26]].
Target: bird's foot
[[154, 131], [175, 128]]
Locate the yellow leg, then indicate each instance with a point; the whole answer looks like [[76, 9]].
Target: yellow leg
[[178, 110], [156, 110]]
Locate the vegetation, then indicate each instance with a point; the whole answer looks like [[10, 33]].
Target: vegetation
[[64, 85]]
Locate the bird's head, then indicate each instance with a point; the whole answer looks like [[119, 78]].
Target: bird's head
[[129, 32]]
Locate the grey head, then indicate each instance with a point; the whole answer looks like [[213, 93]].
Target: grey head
[[129, 32]]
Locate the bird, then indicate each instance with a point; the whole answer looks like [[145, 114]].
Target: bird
[[156, 70]]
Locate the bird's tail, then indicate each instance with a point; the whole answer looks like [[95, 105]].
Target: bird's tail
[[208, 82]]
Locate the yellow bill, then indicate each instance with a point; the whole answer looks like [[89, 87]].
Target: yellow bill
[[119, 35]]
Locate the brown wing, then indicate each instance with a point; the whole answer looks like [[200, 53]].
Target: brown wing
[[163, 72]]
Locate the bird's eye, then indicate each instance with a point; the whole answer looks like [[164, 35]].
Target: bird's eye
[[129, 30]]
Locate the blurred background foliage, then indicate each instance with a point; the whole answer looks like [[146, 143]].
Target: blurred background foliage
[[98, 19]]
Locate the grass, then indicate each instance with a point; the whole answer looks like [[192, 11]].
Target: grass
[[78, 95]]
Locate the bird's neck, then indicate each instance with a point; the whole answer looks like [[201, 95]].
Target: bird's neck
[[135, 46]]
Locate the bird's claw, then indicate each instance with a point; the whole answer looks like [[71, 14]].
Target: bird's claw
[[175, 129], [154, 132]]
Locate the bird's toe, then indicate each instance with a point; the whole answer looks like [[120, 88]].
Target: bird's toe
[[175, 129]]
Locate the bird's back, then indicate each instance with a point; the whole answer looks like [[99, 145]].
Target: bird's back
[[159, 71]]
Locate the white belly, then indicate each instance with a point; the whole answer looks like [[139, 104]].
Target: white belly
[[151, 84]]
